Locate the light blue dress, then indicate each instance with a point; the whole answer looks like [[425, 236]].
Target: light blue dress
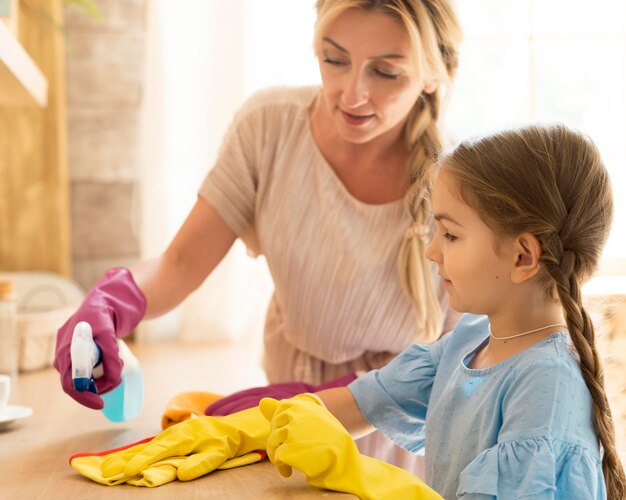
[[519, 429]]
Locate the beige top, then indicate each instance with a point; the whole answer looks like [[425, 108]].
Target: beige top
[[332, 257]]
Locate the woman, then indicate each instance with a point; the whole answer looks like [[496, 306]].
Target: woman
[[316, 179]]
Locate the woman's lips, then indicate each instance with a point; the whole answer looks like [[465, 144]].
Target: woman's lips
[[355, 119]]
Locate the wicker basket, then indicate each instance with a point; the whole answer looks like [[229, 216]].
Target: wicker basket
[[45, 301], [37, 336]]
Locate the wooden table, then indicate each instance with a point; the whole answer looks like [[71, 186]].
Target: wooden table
[[34, 451]]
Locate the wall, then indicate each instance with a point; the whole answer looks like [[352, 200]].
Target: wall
[[104, 94]]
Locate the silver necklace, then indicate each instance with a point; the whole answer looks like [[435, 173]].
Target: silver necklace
[[525, 333]]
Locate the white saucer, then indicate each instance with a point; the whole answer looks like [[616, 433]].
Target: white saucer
[[11, 413]]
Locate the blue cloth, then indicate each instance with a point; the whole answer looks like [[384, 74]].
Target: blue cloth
[[520, 429]]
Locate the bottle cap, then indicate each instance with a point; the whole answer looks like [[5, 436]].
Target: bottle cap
[[7, 288]]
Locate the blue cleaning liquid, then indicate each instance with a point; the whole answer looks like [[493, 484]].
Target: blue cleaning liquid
[[125, 401]]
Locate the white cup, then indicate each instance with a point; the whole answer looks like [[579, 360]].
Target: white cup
[[5, 390]]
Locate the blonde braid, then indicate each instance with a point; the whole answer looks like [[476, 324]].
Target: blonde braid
[[438, 37], [417, 281]]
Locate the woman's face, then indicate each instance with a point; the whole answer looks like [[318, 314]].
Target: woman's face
[[370, 79]]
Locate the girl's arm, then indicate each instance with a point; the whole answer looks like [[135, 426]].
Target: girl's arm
[[198, 247], [341, 403]]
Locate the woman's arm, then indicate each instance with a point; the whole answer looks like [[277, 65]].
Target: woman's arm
[[198, 247], [341, 403]]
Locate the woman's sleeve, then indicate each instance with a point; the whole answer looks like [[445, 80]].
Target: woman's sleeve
[[534, 468], [394, 399], [231, 185]]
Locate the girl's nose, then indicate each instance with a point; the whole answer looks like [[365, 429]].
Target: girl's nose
[[356, 92]]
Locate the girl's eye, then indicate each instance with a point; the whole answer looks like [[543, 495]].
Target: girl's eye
[[384, 74], [449, 237]]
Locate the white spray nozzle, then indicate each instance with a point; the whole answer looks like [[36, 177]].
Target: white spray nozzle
[[85, 355]]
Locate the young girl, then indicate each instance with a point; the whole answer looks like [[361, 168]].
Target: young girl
[[511, 403]]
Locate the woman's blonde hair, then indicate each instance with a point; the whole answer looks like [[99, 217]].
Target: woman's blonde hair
[[550, 181], [436, 34]]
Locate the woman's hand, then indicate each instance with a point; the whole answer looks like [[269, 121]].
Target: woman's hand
[[113, 308]]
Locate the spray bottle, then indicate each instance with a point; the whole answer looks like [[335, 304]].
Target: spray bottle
[[126, 400]]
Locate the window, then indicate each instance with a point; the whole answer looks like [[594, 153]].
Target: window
[[521, 61], [548, 60]]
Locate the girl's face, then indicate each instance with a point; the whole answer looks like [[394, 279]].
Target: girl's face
[[370, 79], [475, 265]]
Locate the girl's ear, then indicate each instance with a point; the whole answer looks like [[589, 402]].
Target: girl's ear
[[528, 252]]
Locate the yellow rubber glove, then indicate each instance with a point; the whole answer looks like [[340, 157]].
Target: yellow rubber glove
[[305, 435], [159, 473], [205, 442]]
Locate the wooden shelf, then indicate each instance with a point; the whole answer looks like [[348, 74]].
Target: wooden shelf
[[21, 82], [34, 179]]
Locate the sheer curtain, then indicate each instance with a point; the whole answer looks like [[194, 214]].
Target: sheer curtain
[[204, 59], [522, 60]]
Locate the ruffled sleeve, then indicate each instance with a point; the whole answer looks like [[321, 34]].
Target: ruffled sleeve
[[534, 468], [395, 398]]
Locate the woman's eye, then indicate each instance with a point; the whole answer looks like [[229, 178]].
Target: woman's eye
[[448, 236], [384, 74], [334, 62]]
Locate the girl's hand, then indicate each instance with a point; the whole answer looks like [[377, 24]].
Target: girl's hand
[[305, 435]]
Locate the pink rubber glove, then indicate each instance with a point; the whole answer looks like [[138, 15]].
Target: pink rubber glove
[[248, 398], [113, 308]]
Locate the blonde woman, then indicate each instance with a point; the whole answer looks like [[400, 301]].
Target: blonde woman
[[317, 180]]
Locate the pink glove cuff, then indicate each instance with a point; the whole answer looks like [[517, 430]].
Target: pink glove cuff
[[338, 382], [124, 299], [249, 398]]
